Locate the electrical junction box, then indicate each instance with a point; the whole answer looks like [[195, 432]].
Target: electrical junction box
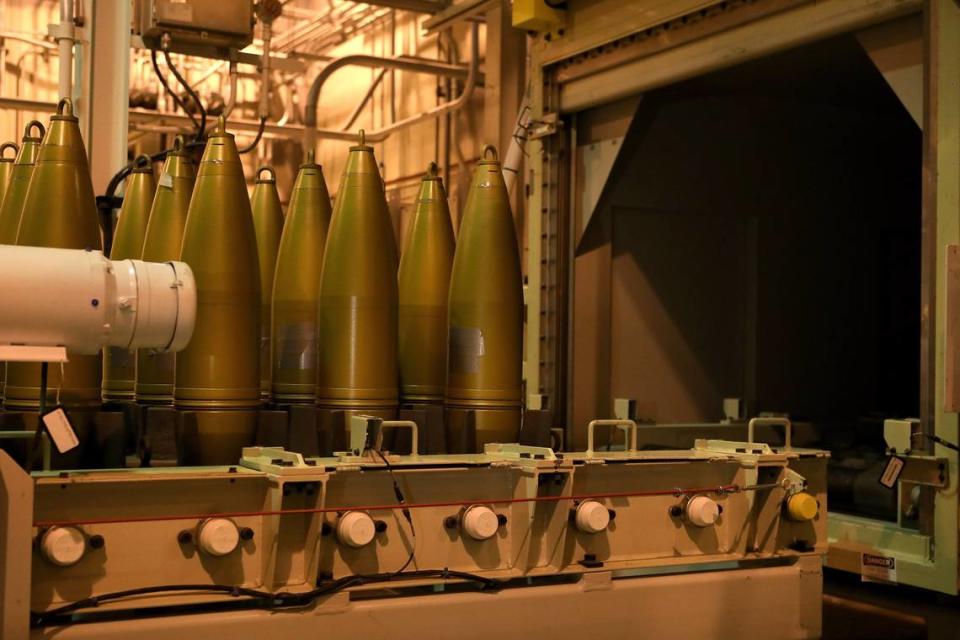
[[536, 15], [223, 23]]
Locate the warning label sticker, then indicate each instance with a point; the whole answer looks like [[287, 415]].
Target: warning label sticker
[[878, 568], [891, 473]]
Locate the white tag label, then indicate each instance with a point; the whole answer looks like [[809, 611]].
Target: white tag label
[[878, 568], [60, 430], [166, 180], [891, 473]]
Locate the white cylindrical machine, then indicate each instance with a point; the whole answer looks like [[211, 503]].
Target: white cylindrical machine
[[83, 301]]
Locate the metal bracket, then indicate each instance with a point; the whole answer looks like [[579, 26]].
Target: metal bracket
[[548, 125], [277, 461], [366, 435], [285, 64], [774, 421], [748, 453], [792, 481], [455, 12], [515, 452], [926, 470], [629, 428]]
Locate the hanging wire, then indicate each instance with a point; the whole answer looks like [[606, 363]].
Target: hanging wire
[[193, 94], [253, 145], [176, 98]]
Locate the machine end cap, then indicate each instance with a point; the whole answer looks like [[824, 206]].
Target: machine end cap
[[802, 507], [479, 522], [356, 529], [592, 517], [702, 511], [63, 546], [218, 536]]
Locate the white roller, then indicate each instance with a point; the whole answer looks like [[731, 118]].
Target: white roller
[[479, 522], [702, 511], [63, 546], [592, 517], [83, 301], [356, 529], [218, 536]]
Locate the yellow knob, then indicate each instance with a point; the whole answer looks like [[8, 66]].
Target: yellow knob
[[802, 507]]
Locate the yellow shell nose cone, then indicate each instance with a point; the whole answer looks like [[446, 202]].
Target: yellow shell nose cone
[[802, 507]]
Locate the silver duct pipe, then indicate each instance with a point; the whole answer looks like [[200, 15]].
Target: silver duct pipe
[[19, 37], [65, 39], [436, 68]]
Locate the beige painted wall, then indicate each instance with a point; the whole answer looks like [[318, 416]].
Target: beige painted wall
[[29, 71]]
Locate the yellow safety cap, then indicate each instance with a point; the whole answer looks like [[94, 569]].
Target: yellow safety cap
[[802, 507]]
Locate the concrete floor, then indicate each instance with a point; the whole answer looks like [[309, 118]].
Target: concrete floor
[[853, 610]]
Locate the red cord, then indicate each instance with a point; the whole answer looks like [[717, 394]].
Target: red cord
[[733, 488]]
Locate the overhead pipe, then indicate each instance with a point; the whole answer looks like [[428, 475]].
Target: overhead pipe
[[26, 104], [230, 103], [325, 26], [436, 68], [463, 177], [264, 109], [291, 131], [19, 37], [232, 100], [64, 35]]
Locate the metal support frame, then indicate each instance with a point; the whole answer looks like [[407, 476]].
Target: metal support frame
[[548, 258], [179, 121], [789, 28], [16, 511], [732, 601], [926, 558], [457, 11], [287, 63], [419, 6], [290, 506]]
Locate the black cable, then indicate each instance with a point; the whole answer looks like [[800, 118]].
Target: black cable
[[405, 511], [176, 98], [193, 94], [938, 440], [253, 145], [109, 201], [121, 175], [266, 599], [95, 601]]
